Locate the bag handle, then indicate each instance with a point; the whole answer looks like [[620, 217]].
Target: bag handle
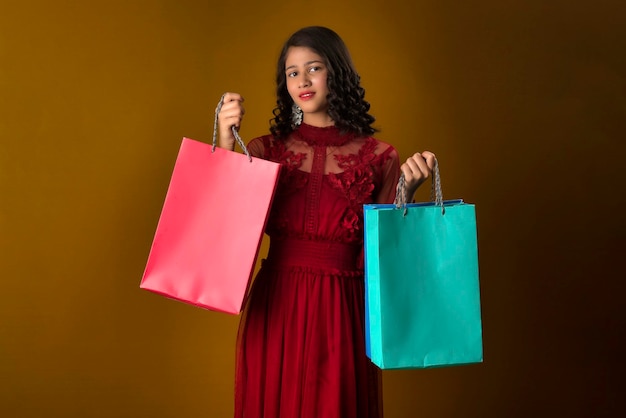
[[235, 133], [435, 190]]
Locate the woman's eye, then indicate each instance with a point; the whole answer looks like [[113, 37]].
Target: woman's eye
[[292, 74], [314, 69]]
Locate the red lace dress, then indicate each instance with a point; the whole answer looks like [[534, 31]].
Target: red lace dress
[[301, 344]]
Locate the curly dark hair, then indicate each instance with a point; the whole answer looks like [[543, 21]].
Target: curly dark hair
[[346, 104]]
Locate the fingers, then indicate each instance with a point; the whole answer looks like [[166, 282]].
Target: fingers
[[416, 170], [430, 158], [229, 97], [419, 166], [230, 115], [232, 111]]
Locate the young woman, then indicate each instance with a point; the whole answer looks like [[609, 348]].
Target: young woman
[[301, 344]]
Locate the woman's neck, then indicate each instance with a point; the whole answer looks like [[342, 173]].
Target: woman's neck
[[324, 135], [321, 120]]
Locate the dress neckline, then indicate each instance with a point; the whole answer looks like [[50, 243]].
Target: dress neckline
[[326, 136]]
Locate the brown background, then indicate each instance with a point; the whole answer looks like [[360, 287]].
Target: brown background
[[524, 103]]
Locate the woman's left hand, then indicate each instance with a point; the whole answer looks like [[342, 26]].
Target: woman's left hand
[[417, 169]]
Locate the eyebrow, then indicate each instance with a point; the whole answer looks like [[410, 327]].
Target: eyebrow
[[305, 64]]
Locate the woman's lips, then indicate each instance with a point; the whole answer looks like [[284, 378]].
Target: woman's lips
[[307, 95]]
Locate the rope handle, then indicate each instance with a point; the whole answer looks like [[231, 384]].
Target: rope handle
[[435, 191], [235, 133]]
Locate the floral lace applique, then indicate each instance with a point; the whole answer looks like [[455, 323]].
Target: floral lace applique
[[290, 178], [357, 181], [366, 154], [351, 225]]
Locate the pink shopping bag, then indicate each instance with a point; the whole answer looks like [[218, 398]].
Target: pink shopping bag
[[211, 226]]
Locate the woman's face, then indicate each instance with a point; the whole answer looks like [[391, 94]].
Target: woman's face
[[306, 75]]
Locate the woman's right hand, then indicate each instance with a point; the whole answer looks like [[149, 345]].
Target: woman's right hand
[[230, 115]]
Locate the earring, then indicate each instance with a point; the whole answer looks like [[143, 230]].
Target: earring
[[296, 115]]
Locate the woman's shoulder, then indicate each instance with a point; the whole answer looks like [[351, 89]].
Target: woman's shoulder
[[258, 146], [267, 147], [263, 139]]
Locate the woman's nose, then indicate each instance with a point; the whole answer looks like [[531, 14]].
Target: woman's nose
[[304, 80]]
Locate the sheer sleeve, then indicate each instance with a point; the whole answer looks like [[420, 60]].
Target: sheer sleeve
[[390, 175], [256, 147]]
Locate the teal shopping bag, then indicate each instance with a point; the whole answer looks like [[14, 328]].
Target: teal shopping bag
[[422, 292]]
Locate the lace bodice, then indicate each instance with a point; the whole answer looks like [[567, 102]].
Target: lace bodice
[[325, 179]]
